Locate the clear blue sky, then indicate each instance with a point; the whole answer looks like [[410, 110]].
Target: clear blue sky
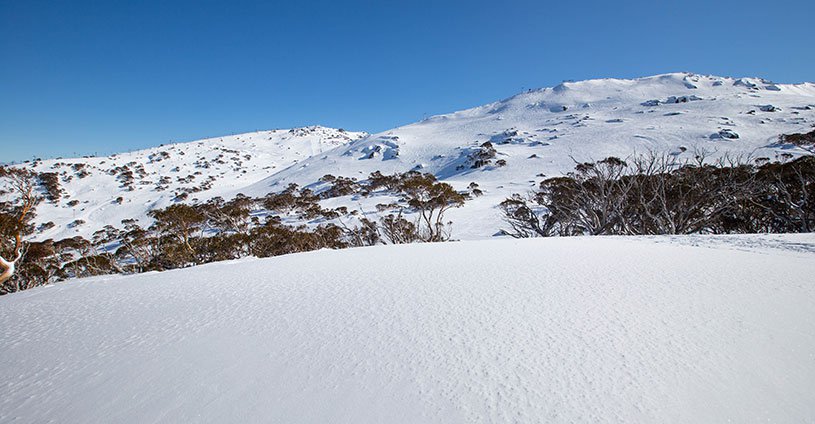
[[84, 77]]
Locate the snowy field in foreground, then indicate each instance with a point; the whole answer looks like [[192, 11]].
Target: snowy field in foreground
[[603, 329]]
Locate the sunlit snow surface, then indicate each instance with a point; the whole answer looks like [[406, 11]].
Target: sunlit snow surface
[[584, 329]]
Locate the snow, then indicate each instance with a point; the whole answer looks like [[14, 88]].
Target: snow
[[230, 163], [583, 329], [668, 114], [605, 117]]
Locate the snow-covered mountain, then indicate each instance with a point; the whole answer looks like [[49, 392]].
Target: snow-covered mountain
[[534, 134], [573, 329]]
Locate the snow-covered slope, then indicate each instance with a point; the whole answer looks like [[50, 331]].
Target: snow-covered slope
[[543, 132], [221, 166], [585, 120], [540, 132], [584, 329]]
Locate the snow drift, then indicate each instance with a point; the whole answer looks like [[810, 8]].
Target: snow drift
[[602, 329]]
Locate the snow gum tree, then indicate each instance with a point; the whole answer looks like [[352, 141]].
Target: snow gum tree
[[177, 224], [15, 214], [430, 199]]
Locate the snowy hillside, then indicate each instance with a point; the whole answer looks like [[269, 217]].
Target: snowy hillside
[[583, 329], [530, 135], [107, 190], [543, 132], [672, 113]]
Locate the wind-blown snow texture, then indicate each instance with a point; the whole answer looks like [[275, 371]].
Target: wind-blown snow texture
[[540, 132], [600, 329]]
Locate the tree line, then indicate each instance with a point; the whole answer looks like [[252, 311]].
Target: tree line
[[641, 195], [660, 195], [184, 235]]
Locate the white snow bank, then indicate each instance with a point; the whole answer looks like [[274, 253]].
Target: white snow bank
[[598, 329]]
